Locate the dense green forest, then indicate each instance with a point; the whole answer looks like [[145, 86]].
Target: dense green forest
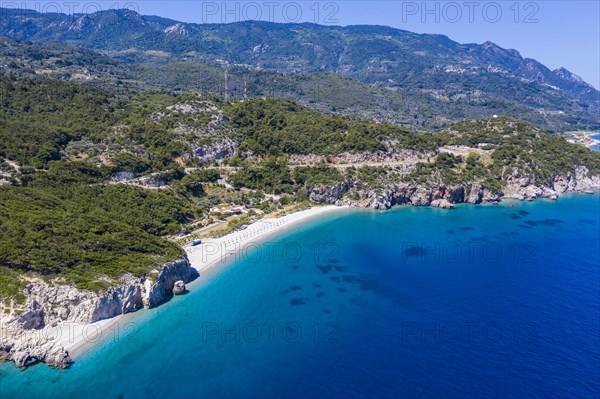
[[274, 127], [428, 98], [44, 234], [65, 213], [38, 118]]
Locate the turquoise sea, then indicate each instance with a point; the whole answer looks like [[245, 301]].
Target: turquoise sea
[[597, 146], [480, 301]]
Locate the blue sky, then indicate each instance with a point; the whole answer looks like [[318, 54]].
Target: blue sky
[[556, 33]]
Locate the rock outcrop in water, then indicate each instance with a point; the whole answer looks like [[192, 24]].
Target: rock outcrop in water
[[179, 288], [28, 333]]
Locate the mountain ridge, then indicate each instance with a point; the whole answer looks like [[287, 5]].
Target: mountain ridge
[[133, 16], [433, 65]]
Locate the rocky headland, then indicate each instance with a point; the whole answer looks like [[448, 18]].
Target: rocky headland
[[27, 329], [442, 196]]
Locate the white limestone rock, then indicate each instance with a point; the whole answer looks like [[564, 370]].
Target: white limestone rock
[[179, 288], [25, 337], [442, 203]]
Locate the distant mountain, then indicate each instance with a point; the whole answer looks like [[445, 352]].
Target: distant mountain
[[481, 79]]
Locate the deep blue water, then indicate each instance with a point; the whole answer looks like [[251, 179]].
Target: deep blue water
[[480, 301]]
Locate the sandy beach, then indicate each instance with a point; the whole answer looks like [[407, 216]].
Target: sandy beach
[[214, 252], [77, 338]]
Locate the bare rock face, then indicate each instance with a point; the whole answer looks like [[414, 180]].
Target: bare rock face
[[403, 193], [119, 300], [491, 197], [26, 338], [30, 347], [328, 194], [33, 318], [406, 194], [179, 288], [455, 195], [217, 152], [563, 184], [437, 193], [523, 188], [159, 290], [530, 192], [581, 181], [475, 195], [378, 200], [421, 197]]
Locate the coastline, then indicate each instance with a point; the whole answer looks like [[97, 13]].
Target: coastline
[[207, 258], [587, 140], [215, 252], [172, 337], [78, 338]]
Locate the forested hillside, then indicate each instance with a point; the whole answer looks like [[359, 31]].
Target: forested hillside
[[417, 80], [98, 177]]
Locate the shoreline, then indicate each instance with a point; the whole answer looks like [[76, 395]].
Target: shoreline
[[217, 251], [207, 259], [594, 141], [587, 140], [77, 339]]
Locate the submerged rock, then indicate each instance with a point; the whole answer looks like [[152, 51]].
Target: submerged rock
[[442, 203]]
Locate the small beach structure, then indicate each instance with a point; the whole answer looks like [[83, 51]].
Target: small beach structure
[[228, 210]]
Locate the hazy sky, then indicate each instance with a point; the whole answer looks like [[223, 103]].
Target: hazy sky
[[556, 33]]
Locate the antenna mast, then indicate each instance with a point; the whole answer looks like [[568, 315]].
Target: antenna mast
[[226, 83]]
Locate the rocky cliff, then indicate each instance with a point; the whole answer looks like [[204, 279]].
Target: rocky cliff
[[517, 187], [27, 331]]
